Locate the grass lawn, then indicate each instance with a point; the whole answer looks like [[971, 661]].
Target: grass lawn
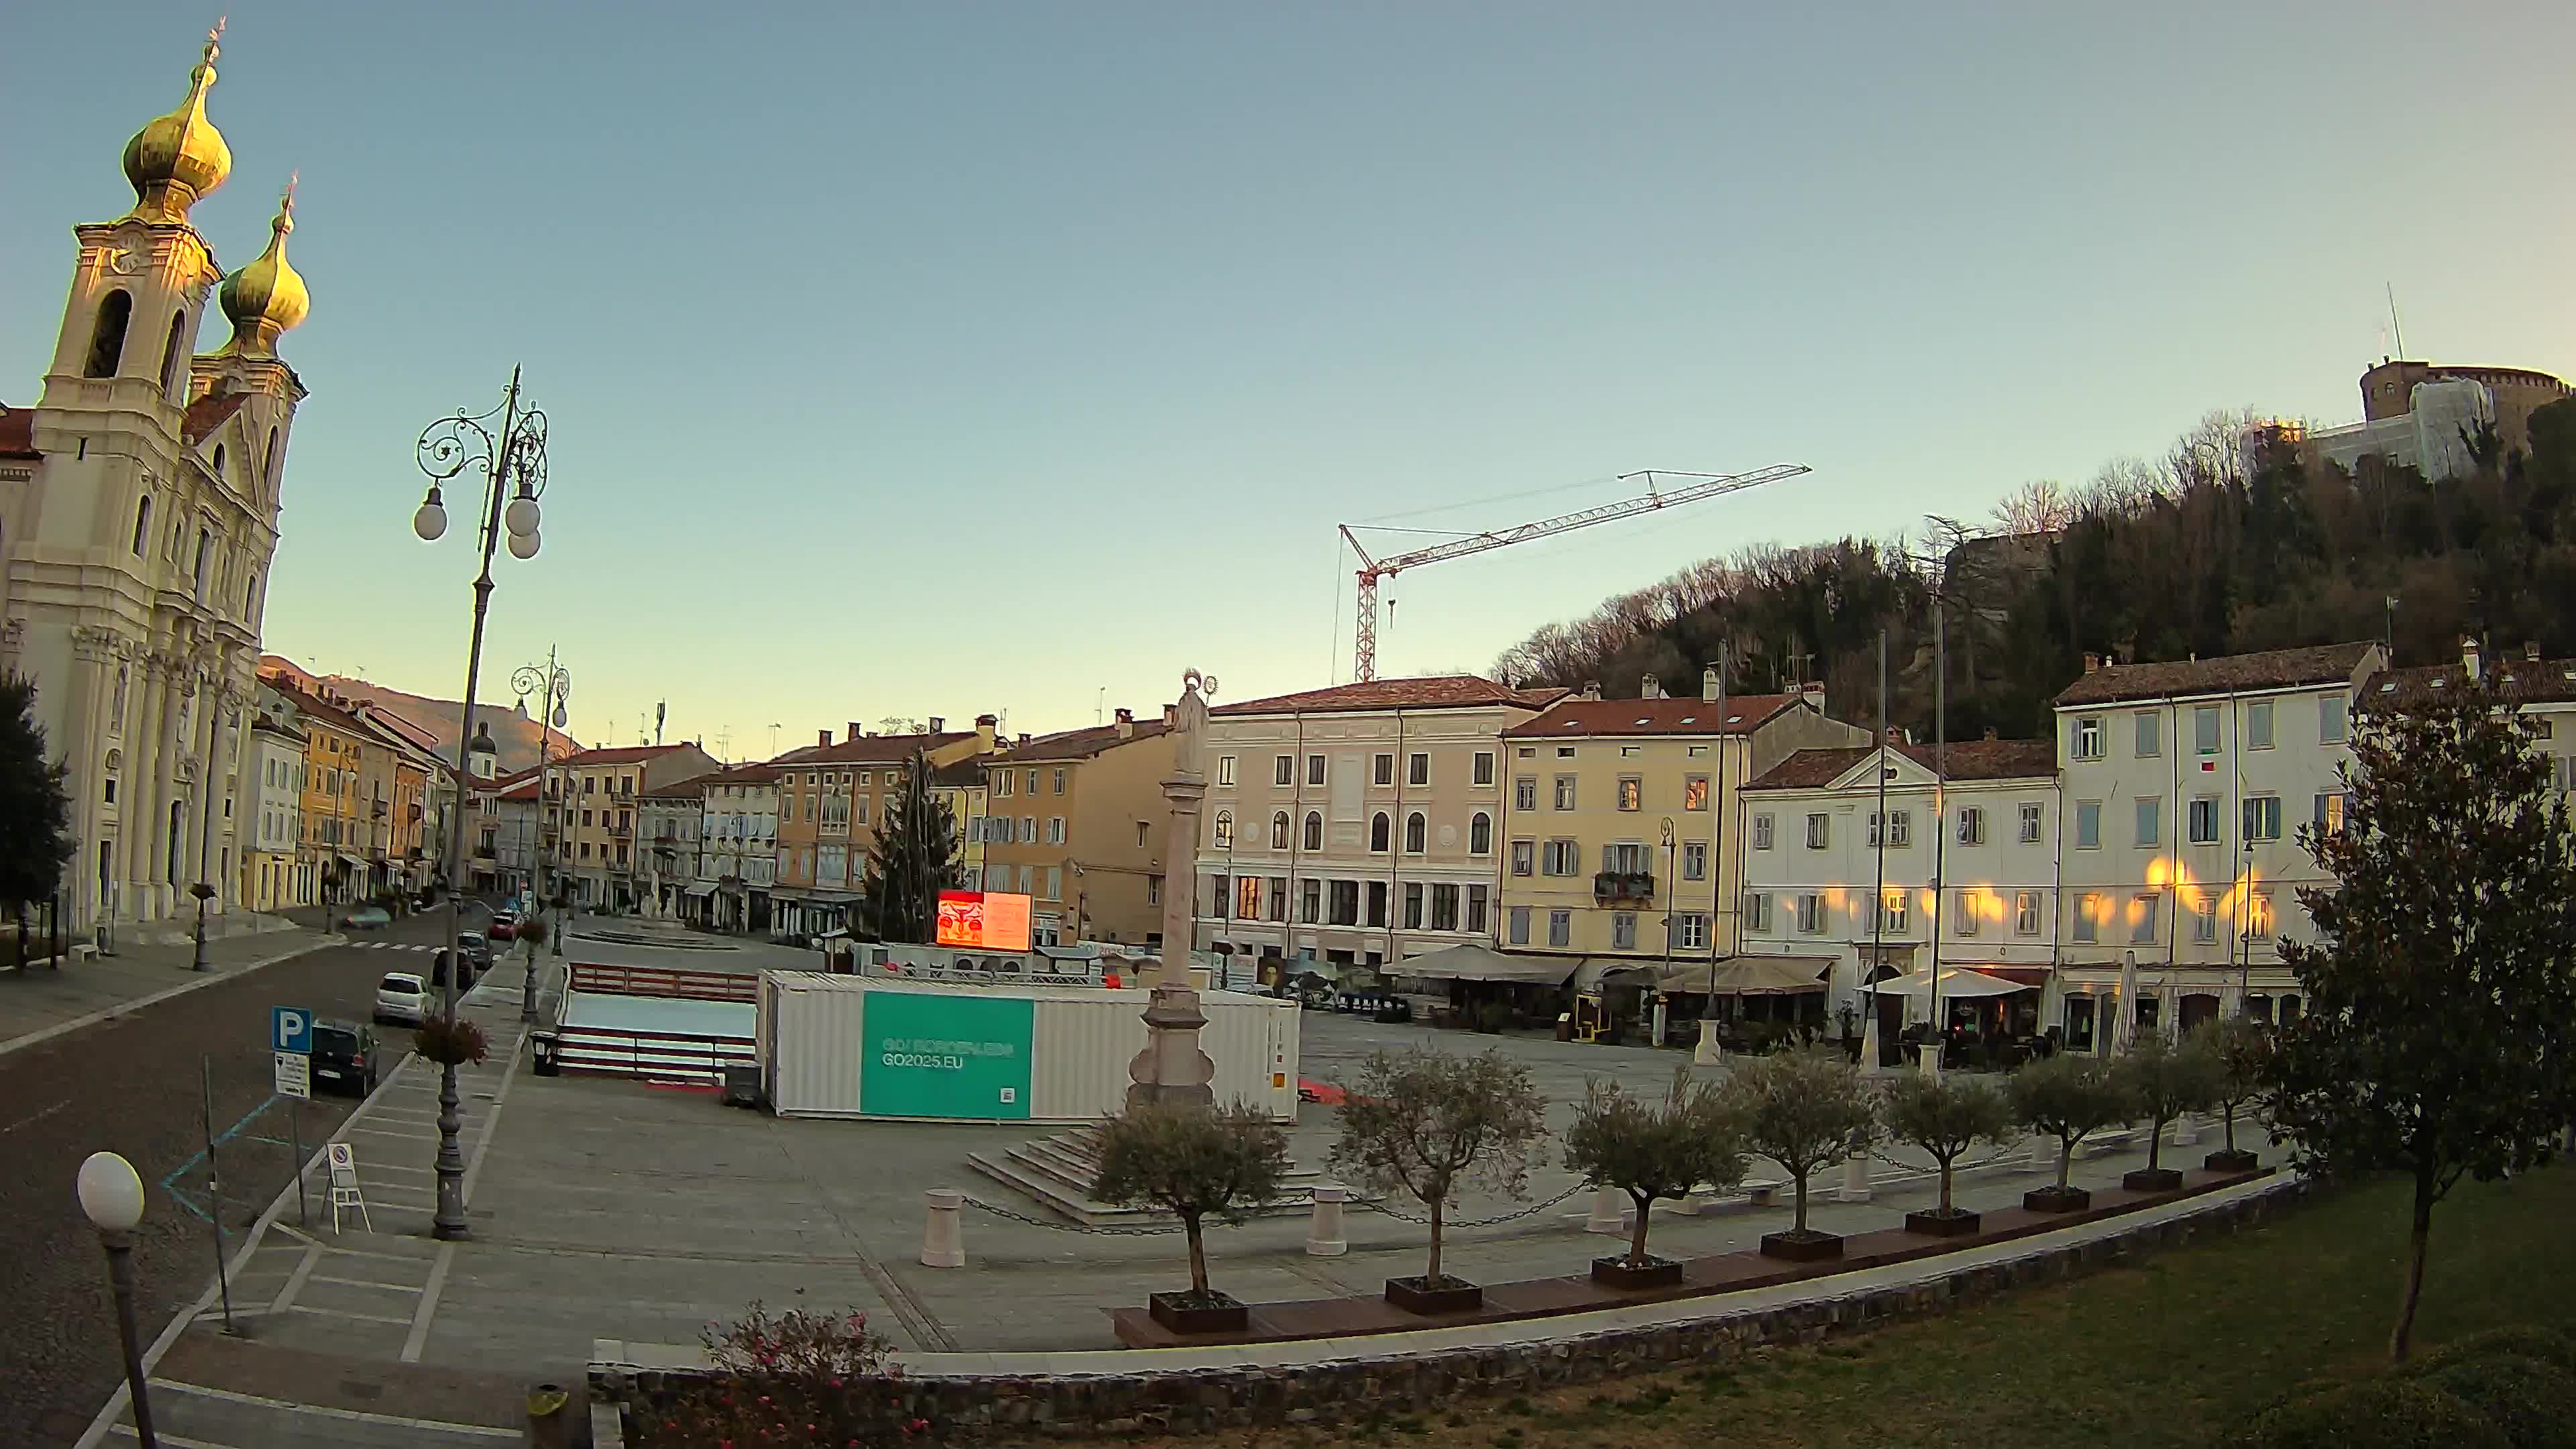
[[2169, 1350]]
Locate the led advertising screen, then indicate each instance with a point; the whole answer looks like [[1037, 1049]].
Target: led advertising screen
[[983, 920]]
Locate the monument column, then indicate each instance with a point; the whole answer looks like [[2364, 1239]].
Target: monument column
[[1172, 1069]]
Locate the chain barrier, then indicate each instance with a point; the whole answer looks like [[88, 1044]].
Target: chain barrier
[[1106, 1232], [1372, 1207], [1933, 1168]]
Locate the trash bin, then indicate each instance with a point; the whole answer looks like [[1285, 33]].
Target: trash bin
[[741, 1085], [549, 1417], [543, 1044]]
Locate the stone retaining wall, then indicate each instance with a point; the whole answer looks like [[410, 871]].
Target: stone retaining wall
[[1405, 1382]]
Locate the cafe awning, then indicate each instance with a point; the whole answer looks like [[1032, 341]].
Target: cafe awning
[[703, 888], [1734, 976], [1479, 963], [1957, 983]]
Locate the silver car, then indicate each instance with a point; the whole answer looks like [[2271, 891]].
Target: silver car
[[401, 997]]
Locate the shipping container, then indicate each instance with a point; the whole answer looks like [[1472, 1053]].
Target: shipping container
[[857, 1046]]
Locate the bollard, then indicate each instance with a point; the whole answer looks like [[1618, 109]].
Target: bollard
[[549, 1417], [2185, 1132], [1324, 1228], [1928, 1060], [943, 1238], [1609, 1213], [1855, 1179]]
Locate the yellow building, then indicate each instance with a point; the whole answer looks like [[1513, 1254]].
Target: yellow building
[[332, 841], [962, 787], [1615, 821], [1078, 822]]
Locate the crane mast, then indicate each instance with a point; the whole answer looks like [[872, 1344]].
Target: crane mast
[[1694, 487]]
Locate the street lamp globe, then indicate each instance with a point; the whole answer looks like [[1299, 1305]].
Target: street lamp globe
[[523, 545], [110, 1193], [431, 521], [521, 516]]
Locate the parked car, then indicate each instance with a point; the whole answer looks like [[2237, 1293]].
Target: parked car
[[367, 918], [402, 997], [504, 927], [344, 1056], [465, 973], [476, 950]]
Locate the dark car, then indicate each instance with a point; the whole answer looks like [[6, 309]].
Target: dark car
[[438, 972], [477, 950], [344, 1057]]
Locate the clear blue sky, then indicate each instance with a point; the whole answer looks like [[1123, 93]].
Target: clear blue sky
[[934, 358]]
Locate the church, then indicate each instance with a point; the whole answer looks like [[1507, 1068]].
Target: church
[[138, 516]]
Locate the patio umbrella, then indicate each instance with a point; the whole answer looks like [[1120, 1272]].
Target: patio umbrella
[[2124, 1027]]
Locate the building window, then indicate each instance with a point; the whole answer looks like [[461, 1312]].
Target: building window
[[2151, 820], [1632, 793], [2333, 719], [1417, 770], [1690, 931], [2204, 820], [2204, 729], [1900, 828], [1525, 793], [1761, 832], [1560, 928], [1475, 908], [1519, 926], [1484, 771], [1820, 831], [1964, 918], [1892, 910], [2151, 734], [2330, 812], [1002, 784], [1623, 930], [1225, 769], [1382, 769], [1565, 792], [1695, 792], [1757, 911], [1444, 908], [1377, 903], [1480, 834], [1524, 857], [1413, 905], [1225, 830], [2088, 738], [1695, 860], [1346, 903], [110, 797], [2258, 916], [1276, 896], [2030, 821], [2204, 918], [1415, 829], [107, 338], [1565, 752], [1811, 914], [1381, 832], [1153, 888], [1314, 830], [1283, 772], [142, 523], [1561, 857], [2088, 918], [1972, 825], [2026, 913], [2262, 817], [2088, 825], [2142, 918], [1314, 769], [1278, 830]]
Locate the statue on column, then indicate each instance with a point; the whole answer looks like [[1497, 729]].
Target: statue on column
[[1172, 1068]]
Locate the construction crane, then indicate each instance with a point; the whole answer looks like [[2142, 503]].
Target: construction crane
[[1697, 487]]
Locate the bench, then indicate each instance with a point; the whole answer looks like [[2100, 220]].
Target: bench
[[2103, 1144]]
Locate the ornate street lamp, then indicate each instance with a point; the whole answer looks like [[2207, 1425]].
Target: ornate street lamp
[[555, 682], [112, 1198], [515, 457]]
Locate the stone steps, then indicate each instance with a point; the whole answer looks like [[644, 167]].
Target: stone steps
[[1057, 1173]]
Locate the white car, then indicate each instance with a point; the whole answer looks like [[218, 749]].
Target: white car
[[401, 996]]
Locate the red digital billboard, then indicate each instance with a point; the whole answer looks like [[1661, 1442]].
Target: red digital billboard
[[983, 920]]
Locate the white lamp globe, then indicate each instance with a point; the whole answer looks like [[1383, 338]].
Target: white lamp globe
[[431, 521], [523, 545], [110, 1193], [521, 515]]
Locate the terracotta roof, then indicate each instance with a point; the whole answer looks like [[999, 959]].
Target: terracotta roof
[[504, 784], [1445, 691], [2272, 669], [1079, 744], [620, 755], [966, 774], [18, 433], [1579, 717], [742, 775], [320, 708], [208, 413], [695, 785], [872, 749], [524, 790], [1968, 760], [278, 728], [2531, 681]]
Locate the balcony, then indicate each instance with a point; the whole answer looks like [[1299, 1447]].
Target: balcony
[[620, 832], [1623, 888]]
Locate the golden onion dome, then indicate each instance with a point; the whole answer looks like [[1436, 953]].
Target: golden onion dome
[[267, 297], [175, 160]]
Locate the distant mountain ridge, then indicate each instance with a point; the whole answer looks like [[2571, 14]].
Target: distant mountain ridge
[[519, 739]]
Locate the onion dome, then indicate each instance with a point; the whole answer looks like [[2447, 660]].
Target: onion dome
[[175, 160], [267, 297]]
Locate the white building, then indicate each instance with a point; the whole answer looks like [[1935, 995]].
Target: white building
[[1813, 864], [668, 824], [273, 876], [2184, 785], [138, 516], [738, 849]]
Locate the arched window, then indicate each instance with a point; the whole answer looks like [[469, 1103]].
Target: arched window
[[1279, 830], [1414, 827], [268, 465], [219, 462], [1225, 830], [142, 523], [170, 353], [1378, 830], [1480, 834], [1314, 830], [205, 550], [107, 338], [250, 597]]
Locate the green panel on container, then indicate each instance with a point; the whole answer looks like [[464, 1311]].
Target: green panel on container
[[946, 1055]]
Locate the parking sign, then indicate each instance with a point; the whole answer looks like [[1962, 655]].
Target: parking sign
[[290, 1029]]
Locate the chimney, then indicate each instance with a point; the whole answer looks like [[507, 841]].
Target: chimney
[[1813, 691], [2469, 655], [985, 725], [1650, 688], [1024, 739], [1708, 684], [2531, 650], [1171, 715], [938, 724], [2092, 663], [1990, 732], [1895, 734], [1126, 724], [855, 731], [1591, 689], [823, 737]]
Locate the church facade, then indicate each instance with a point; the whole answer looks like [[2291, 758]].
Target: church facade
[[138, 518]]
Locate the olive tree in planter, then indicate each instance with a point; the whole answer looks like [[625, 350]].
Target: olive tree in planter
[[1425, 1123], [1652, 1151], [2067, 1097], [2242, 1048], [2163, 1082], [1194, 1164], [1946, 1116], [1803, 1110]]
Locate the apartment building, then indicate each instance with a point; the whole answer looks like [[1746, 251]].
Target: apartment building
[[2544, 689], [592, 797], [273, 876], [738, 849], [1618, 825], [831, 800], [502, 828], [962, 788], [331, 848], [1356, 825], [2184, 786], [1959, 871], [668, 820], [1078, 823]]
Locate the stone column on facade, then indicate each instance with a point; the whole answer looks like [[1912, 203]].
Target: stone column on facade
[[146, 788], [85, 751], [1172, 1069]]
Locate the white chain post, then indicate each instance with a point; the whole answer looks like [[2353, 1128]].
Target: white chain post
[[1855, 1178], [1609, 1213], [1324, 1229], [943, 1236]]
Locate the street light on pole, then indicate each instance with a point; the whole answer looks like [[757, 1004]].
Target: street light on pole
[[516, 456], [555, 682], [112, 1197]]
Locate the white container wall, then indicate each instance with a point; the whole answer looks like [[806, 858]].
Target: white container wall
[[1086, 1043], [811, 1042]]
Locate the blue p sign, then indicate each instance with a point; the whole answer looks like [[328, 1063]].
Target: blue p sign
[[290, 1029]]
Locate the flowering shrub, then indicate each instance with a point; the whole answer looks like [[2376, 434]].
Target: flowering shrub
[[451, 1043], [796, 1378]]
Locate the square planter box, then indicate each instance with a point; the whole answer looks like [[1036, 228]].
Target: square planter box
[[1809, 1247], [2056, 1200], [2151, 1179], [2237, 1161], [1938, 1225], [1451, 1295], [1615, 1272], [1189, 1313]]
